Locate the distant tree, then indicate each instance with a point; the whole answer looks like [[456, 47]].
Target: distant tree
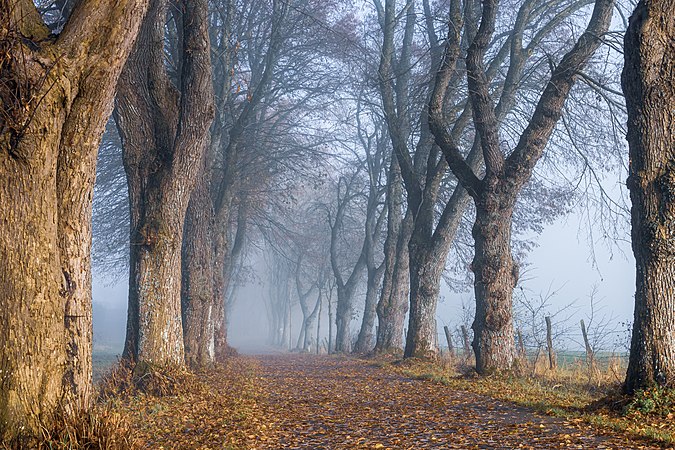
[[57, 92], [648, 83]]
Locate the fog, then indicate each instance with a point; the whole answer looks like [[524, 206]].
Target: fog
[[565, 261], [319, 172]]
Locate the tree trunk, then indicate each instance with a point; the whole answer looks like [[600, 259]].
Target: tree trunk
[[393, 305], [221, 279], [309, 323], [197, 291], [649, 86], [57, 94], [331, 342], [425, 276], [365, 341], [448, 338], [343, 318], [495, 276], [587, 344], [164, 133]]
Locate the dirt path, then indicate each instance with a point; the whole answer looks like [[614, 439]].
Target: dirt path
[[314, 402]]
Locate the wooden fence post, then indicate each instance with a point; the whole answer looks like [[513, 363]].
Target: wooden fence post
[[549, 344], [589, 349], [448, 337], [467, 346], [521, 344]]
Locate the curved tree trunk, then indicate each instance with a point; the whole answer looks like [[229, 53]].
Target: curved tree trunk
[[649, 85], [57, 95]]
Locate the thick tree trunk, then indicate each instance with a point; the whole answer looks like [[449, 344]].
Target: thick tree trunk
[[47, 168], [649, 85], [427, 254], [164, 133], [425, 279], [343, 318], [198, 299], [495, 276]]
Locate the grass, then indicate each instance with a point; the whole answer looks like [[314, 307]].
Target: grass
[[572, 391]]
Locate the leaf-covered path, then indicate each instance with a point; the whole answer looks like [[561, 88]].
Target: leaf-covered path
[[314, 402]]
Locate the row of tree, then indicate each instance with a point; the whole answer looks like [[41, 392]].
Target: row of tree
[[308, 123]]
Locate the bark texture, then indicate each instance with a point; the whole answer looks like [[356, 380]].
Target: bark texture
[[164, 126], [198, 289], [649, 86], [57, 94], [393, 304]]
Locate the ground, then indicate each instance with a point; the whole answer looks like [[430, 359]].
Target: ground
[[329, 402]]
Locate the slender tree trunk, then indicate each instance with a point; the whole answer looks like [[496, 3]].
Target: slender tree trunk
[[549, 344], [448, 338], [221, 279], [57, 93], [331, 344], [649, 86], [495, 276], [309, 323], [365, 341], [318, 324]]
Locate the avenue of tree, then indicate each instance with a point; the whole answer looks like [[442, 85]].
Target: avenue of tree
[[364, 152]]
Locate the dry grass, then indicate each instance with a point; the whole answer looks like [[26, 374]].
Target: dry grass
[[102, 427], [107, 425]]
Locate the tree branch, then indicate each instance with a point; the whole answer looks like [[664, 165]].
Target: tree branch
[[521, 162], [444, 140]]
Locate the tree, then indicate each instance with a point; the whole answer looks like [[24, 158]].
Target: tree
[[435, 203], [57, 92], [648, 83], [163, 118], [495, 194]]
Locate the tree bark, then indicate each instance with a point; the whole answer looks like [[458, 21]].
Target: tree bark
[[648, 83], [365, 341], [393, 304], [198, 280], [495, 276], [164, 132], [57, 94]]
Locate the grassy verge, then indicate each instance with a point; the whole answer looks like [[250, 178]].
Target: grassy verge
[[571, 392]]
